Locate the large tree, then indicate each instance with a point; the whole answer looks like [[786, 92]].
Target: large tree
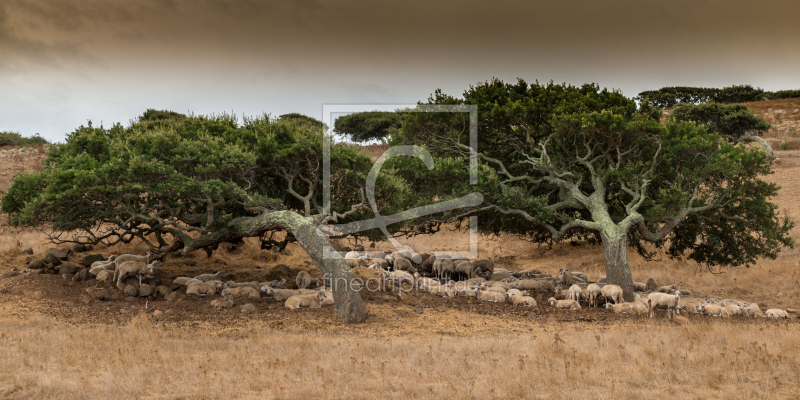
[[369, 125], [559, 162], [189, 183]]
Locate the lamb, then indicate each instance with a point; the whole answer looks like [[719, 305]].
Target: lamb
[[443, 267], [491, 296], [139, 269], [202, 288], [650, 285], [712, 309], [564, 304], [670, 302], [776, 313], [518, 300], [517, 292], [303, 280], [211, 277], [309, 300], [132, 257], [575, 293], [635, 307], [594, 292], [668, 289], [612, 292], [241, 292]]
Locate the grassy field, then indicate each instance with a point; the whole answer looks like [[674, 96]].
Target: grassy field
[[56, 347]]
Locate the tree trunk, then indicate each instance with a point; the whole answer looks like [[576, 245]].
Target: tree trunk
[[349, 305], [618, 272]]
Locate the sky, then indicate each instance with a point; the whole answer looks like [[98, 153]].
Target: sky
[[64, 62]]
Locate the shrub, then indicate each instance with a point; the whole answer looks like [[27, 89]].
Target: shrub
[[8, 138]]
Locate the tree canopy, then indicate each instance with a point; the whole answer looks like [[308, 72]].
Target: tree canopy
[[366, 126], [190, 182], [559, 162]]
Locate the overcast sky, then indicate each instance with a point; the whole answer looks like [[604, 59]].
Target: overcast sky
[[63, 62]]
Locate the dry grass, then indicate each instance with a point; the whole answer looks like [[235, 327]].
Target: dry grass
[[46, 359]]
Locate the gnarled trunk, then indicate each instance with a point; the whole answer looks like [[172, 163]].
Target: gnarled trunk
[[618, 272], [349, 305]]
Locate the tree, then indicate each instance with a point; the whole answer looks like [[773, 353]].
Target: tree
[[736, 122], [365, 126], [559, 162], [194, 182]]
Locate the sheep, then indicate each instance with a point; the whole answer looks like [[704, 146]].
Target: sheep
[[712, 309], [202, 289], [641, 299], [105, 263], [639, 287], [601, 279], [484, 266], [303, 280], [232, 284], [445, 290], [519, 300], [355, 263], [575, 293], [283, 294], [97, 269], [662, 300], [381, 263], [776, 313], [185, 281], [427, 263], [211, 277], [351, 255], [690, 302], [402, 264], [497, 289], [309, 300], [635, 307], [750, 310], [732, 308], [139, 269], [132, 257], [490, 296], [668, 289], [564, 304], [376, 255], [580, 276], [594, 292], [651, 285], [465, 268], [612, 292], [245, 291], [398, 276], [566, 277], [443, 267]]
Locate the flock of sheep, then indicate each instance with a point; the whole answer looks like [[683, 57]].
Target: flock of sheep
[[449, 277]]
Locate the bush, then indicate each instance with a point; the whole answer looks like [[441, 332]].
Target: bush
[[15, 139], [668, 97], [787, 146]]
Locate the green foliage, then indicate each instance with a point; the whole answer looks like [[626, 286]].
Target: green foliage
[[787, 146], [668, 97], [192, 174], [301, 119], [366, 126], [15, 139], [731, 121]]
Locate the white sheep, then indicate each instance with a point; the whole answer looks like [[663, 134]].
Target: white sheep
[[245, 291], [118, 260], [670, 302], [712, 309], [309, 300], [232, 284], [490, 296], [635, 307], [668, 289], [564, 304], [594, 291], [750, 310], [612, 292], [139, 269], [575, 293], [520, 300], [732, 308], [203, 288], [211, 277], [283, 294], [398, 276], [776, 313]]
